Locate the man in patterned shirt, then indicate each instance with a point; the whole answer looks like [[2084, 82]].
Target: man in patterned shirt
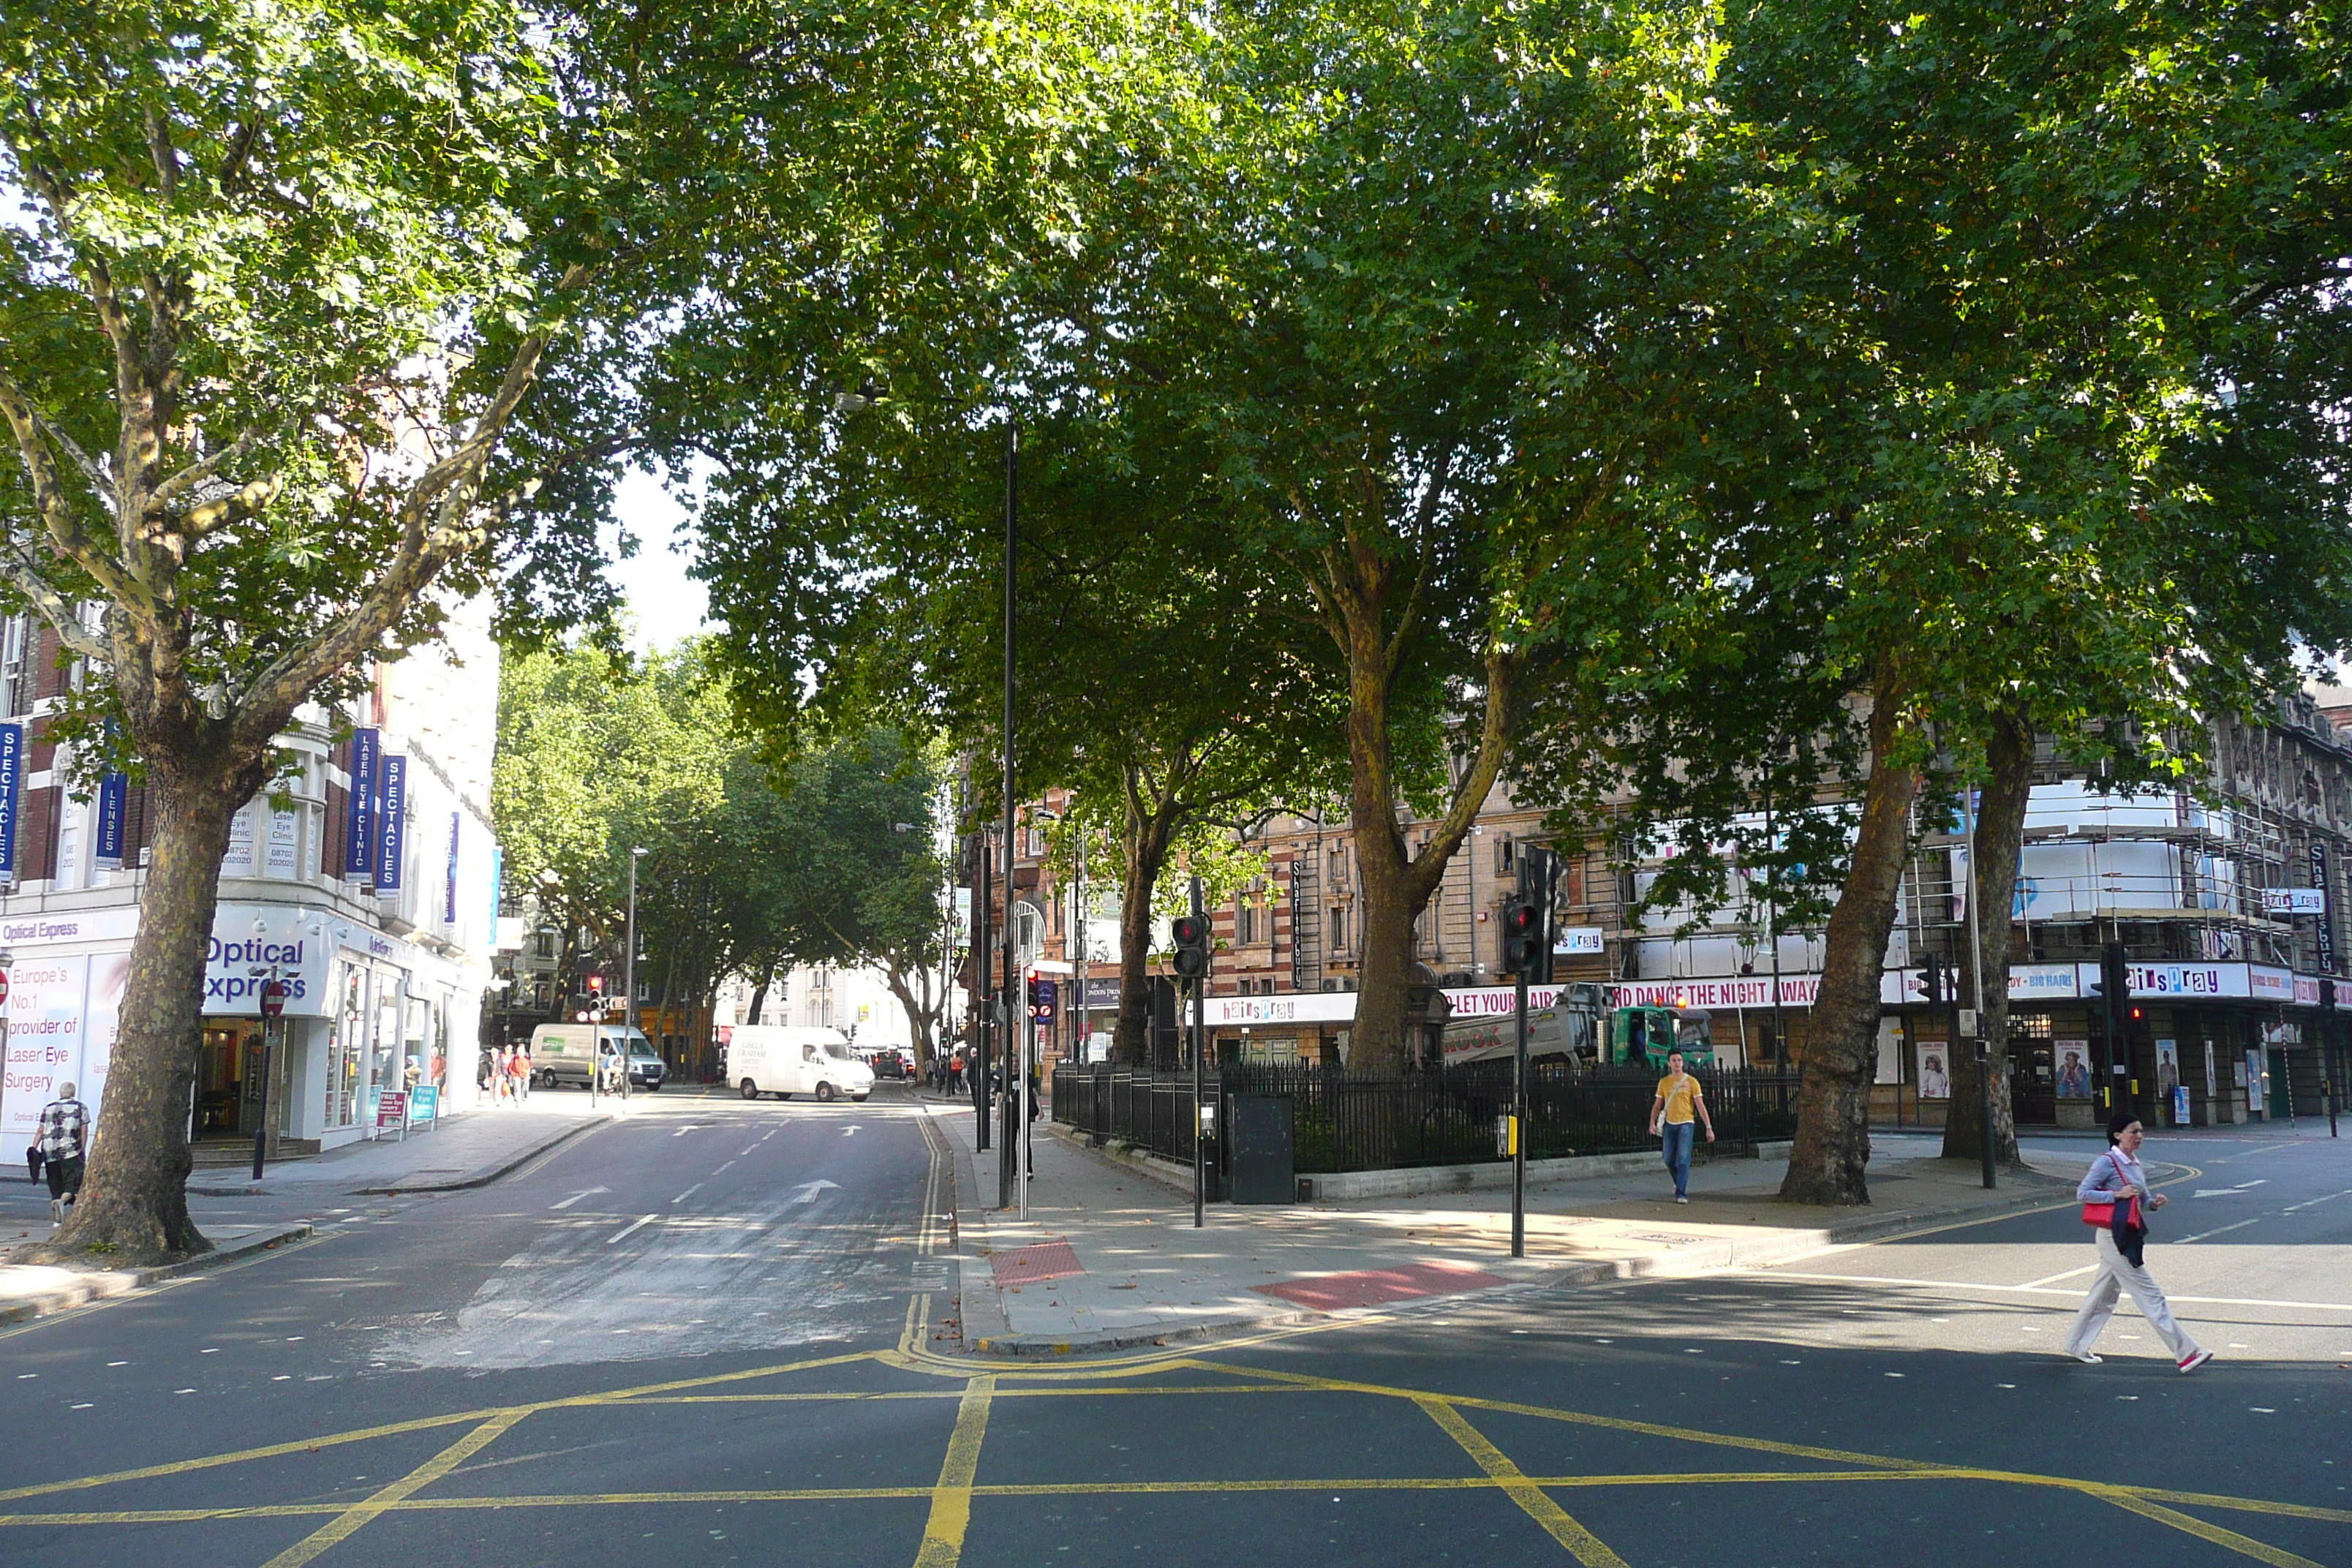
[[64, 1137]]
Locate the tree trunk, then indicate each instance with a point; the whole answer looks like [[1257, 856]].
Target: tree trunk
[[918, 1008], [2000, 841], [133, 1208], [1143, 852], [760, 993], [1833, 1144]]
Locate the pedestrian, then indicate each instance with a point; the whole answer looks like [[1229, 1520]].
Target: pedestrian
[[518, 1071], [2116, 1198], [63, 1133], [503, 1074], [1679, 1099]]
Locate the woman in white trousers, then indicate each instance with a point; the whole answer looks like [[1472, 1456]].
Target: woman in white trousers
[[2115, 1175]]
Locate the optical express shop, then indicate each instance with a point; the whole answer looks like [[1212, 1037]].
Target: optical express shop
[[360, 1006]]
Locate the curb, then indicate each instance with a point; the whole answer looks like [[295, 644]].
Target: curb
[[482, 1178], [95, 1285]]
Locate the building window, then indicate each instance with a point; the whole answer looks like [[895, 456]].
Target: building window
[[16, 649], [1339, 929], [543, 944], [1503, 852], [1244, 921]]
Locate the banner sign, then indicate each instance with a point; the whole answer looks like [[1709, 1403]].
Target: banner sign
[[2296, 900], [424, 1102], [113, 806], [359, 839], [391, 838], [12, 775], [391, 1107], [450, 896], [2327, 923], [1578, 940]]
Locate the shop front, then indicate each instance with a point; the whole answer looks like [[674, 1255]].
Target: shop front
[[363, 1011]]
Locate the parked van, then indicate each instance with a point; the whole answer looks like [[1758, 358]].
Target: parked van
[[768, 1058], [562, 1053]]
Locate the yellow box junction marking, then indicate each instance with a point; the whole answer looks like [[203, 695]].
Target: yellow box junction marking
[[951, 1498], [1586, 1547]]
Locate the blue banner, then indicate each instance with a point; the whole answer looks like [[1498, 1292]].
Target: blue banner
[[391, 838], [359, 822], [113, 806], [449, 900], [12, 777]]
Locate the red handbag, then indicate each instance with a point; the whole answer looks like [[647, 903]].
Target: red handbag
[[2102, 1215]]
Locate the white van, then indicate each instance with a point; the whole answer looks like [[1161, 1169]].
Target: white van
[[768, 1058]]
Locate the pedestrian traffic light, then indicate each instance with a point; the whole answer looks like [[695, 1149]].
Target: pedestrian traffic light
[[1522, 937], [1191, 946]]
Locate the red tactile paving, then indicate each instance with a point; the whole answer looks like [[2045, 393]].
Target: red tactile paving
[[1028, 1265], [1337, 1292]]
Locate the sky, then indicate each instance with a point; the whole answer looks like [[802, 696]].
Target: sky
[[664, 604]]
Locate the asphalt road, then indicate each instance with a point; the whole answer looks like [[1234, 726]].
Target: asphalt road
[[664, 1345]]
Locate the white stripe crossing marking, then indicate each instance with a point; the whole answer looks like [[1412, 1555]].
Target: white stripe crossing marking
[[687, 1194], [2053, 1279], [641, 1220], [2307, 1202], [575, 1197], [2039, 1290], [2218, 1230]]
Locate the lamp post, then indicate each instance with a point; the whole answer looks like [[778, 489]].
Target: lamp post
[[629, 979]]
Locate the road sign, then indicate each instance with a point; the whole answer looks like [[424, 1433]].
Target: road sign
[[273, 999], [4, 985]]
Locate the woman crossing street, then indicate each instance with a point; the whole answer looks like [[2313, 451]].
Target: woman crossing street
[[2116, 1182]]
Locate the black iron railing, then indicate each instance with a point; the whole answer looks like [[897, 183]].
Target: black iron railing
[[1356, 1122]]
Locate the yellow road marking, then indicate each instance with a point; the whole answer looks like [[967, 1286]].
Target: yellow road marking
[[2246, 1545], [951, 1498], [352, 1520], [1586, 1547], [421, 1423]]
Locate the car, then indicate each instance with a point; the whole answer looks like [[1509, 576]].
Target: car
[[891, 1064]]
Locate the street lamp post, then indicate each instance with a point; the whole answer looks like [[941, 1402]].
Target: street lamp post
[[629, 979], [1008, 989]]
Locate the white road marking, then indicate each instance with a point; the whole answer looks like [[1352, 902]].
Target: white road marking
[[729, 1162], [2053, 1279], [575, 1197], [687, 1194], [2203, 1234], [2307, 1202], [851, 1131], [642, 1220], [809, 1190], [689, 1126], [2039, 1290]]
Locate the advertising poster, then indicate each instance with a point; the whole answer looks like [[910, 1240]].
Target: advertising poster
[[110, 974], [2167, 1067], [282, 842], [2073, 1068], [45, 1045], [1935, 1080], [239, 859]]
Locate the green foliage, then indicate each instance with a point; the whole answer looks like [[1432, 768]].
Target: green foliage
[[749, 866]]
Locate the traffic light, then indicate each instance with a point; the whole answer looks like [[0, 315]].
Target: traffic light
[[1933, 967], [1192, 946], [596, 985], [1522, 937]]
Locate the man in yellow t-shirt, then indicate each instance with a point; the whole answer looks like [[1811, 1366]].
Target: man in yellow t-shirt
[[1671, 1113]]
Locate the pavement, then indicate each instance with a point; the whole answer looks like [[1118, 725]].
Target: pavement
[[1107, 1256], [462, 1151], [721, 1333]]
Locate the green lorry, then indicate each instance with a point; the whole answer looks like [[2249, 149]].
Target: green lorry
[[1643, 1035]]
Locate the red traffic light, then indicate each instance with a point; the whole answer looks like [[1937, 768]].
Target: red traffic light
[[1521, 919], [1191, 930], [595, 984]]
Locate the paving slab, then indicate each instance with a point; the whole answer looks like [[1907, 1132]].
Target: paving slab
[[1146, 1276]]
